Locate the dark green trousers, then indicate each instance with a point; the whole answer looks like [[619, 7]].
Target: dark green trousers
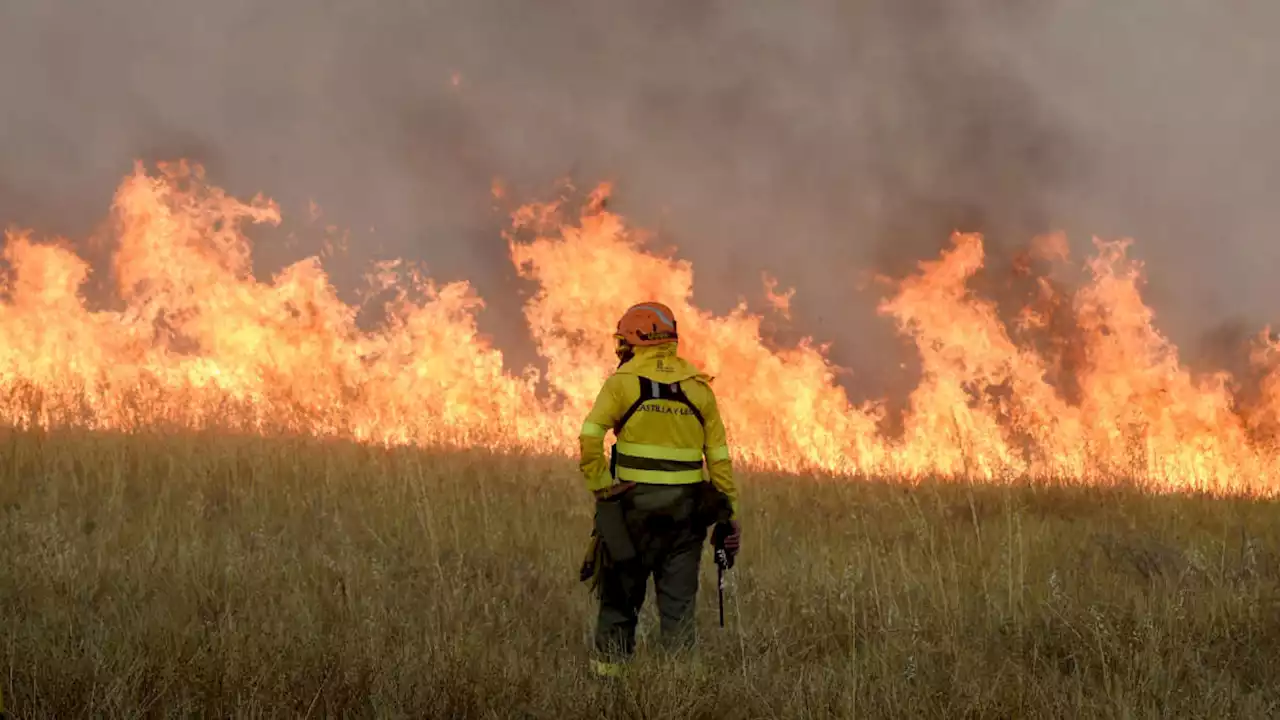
[[668, 541]]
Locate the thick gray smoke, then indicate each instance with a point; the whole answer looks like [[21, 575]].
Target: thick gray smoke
[[817, 141]]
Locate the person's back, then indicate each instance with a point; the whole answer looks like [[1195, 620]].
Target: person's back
[[665, 419]]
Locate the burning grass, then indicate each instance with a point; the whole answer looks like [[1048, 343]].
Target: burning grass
[[211, 575], [1044, 368]]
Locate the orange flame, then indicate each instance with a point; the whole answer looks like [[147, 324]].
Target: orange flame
[[199, 342], [781, 302]]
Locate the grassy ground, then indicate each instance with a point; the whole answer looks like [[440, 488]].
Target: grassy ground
[[160, 576]]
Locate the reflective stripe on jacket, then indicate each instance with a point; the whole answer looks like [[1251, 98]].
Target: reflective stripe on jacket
[[664, 441]]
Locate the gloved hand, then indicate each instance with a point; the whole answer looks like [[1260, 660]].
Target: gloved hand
[[613, 490], [733, 540], [727, 536]]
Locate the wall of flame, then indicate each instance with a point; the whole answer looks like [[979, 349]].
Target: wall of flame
[[198, 342]]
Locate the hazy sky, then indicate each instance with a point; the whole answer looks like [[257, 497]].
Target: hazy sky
[[815, 140]]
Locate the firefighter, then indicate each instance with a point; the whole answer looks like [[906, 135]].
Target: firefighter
[[654, 504]]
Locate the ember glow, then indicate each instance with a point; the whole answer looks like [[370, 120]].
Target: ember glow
[[197, 342]]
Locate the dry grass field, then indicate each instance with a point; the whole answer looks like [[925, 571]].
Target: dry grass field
[[210, 576]]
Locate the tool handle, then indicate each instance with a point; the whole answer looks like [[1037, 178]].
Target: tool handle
[[720, 591]]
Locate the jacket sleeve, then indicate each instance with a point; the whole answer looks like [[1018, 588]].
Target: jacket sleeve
[[604, 414], [716, 450]]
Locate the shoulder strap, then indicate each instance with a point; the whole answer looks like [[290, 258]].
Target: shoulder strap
[[654, 390], [676, 392], [646, 394]]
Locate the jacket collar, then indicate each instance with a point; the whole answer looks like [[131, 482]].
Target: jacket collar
[[661, 362]]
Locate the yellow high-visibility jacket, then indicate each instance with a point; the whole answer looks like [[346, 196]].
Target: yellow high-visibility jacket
[[662, 442]]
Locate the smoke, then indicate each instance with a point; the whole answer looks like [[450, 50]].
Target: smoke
[[820, 143]]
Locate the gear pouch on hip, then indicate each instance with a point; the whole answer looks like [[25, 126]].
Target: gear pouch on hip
[[612, 526]]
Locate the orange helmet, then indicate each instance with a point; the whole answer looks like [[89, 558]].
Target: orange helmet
[[649, 323]]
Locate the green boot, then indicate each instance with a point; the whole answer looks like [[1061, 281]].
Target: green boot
[[611, 670]]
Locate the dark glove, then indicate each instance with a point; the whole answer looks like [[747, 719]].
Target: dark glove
[[726, 539], [734, 539], [613, 490]]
